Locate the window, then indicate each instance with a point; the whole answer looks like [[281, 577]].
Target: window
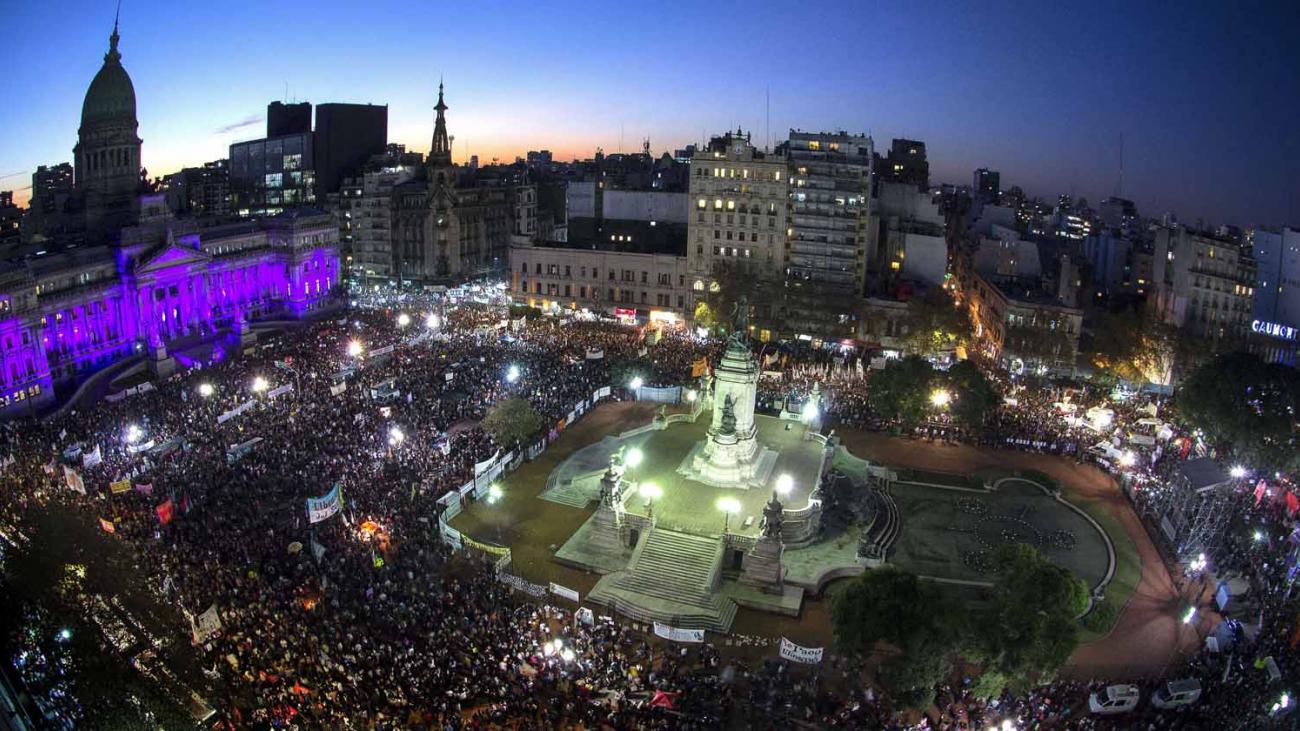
[[717, 204], [814, 145], [701, 204], [731, 206]]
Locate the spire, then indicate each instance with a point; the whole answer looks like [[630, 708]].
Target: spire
[[440, 150], [113, 55]]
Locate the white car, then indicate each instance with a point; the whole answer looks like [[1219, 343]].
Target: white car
[[1114, 699], [1177, 693]]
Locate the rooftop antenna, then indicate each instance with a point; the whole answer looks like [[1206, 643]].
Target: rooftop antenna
[[767, 119], [1121, 166]]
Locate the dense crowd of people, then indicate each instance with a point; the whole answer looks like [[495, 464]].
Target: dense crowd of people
[[367, 619]]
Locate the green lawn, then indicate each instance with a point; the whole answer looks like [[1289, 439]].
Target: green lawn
[[1128, 569]]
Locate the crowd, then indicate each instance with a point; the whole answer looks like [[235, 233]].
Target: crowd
[[383, 628]]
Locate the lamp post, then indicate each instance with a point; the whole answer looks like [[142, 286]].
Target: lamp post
[[512, 374], [784, 485], [260, 384], [635, 384], [728, 505], [355, 349], [403, 320], [650, 491], [940, 398], [205, 390]]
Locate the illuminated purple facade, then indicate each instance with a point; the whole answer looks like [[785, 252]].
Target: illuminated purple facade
[[65, 315]]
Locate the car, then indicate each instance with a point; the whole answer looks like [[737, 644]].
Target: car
[[1177, 693], [1114, 699]]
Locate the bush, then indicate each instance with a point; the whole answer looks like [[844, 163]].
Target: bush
[[1102, 617]]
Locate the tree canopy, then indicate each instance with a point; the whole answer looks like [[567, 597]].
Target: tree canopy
[[896, 607], [1030, 629], [1135, 346], [901, 391], [1240, 400], [935, 324], [973, 397], [512, 421]]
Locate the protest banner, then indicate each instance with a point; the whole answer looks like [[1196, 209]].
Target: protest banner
[[564, 592], [325, 506], [678, 634], [205, 625], [118, 487], [75, 483], [798, 653]]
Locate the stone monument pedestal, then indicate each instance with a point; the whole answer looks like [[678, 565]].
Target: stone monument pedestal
[[161, 363], [244, 331], [762, 567]]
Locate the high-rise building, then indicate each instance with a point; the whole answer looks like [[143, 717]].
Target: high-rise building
[[11, 217], [287, 119], [347, 135], [1202, 283], [986, 187], [52, 213], [739, 197], [199, 191], [905, 163], [107, 153], [1277, 288], [366, 210], [829, 228], [272, 174]]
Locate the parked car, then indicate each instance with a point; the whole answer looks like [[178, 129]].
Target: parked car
[[1114, 699], [1177, 693]]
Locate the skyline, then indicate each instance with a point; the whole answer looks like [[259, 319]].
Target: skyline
[[1042, 95]]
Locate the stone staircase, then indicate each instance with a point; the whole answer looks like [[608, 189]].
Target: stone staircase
[[884, 528], [672, 578]]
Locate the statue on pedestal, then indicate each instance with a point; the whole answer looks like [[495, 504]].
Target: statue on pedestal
[[772, 517], [728, 416]]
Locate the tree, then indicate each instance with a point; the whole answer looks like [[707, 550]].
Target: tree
[[973, 396], [1036, 344], [1135, 346], [1240, 400], [1030, 629], [896, 607], [512, 421], [936, 324], [901, 391], [729, 283]]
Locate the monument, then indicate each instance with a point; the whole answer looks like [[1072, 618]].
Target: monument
[[731, 455]]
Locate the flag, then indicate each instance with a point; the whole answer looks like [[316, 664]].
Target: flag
[[120, 486], [144, 488], [325, 506], [107, 526], [1260, 489], [165, 511], [74, 481], [1292, 504], [662, 699]]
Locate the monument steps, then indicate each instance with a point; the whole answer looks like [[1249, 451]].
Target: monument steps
[[671, 578], [886, 523]]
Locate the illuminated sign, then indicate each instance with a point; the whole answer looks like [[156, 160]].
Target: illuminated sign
[[1274, 330]]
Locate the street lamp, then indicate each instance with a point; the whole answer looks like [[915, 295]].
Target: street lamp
[[134, 434], [633, 457], [784, 484], [728, 506], [395, 436], [403, 320], [940, 397], [494, 493], [355, 349], [1259, 535], [810, 411], [636, 383], [205, 390], [259, 384], [512, 374], [1127, 459], [691, 395], [431, 321], [1237, 472]]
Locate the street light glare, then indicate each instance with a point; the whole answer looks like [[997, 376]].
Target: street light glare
[[431, 321], [1237, 472], [650, 490], [395, 435], [134, 434], [1190, 615], [205, 389], [784, 484], [354, 348], [810, 411], [259, 384], [636, 383], [403, 320], [729, 505], [940, 397], [634, 457], [512, 374], [494, 493]]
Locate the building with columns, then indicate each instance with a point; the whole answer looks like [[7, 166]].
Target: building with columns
[[68, 314], [107, 153]]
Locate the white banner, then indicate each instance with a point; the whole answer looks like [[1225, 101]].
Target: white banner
[[286, 388], [677, 634], [137, 448], [481, 467], [73, 480], [338, 388], [235, 411], [381, 351], [595, 353], [205, 625], [600, 393], [526, 587], [325, 506], [585, 616], [565, 592], [90, 459], [798, 653]]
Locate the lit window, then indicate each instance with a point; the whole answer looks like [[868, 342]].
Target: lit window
[[731, 205], [701, 203], [717, 204]]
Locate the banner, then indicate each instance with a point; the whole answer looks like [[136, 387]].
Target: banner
[[595, 353], [236, 452], [205, 625], [165, 511], [120, 486], [317, 550], [75, 483], [286, 388], [526, 587], [92, 458], [325, 506], [107, 526], [338, 388], [699, 368], [798, 653], [584, 615], [137, 448], [667, 395], [227, 416], [481, 467], [144, 488], [602, 392], [381, 351], [677, 634], [564, 592]]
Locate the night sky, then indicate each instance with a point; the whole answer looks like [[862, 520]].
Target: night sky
[[1207, 99]]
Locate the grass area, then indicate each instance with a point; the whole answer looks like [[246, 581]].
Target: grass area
[[1128, 571]]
